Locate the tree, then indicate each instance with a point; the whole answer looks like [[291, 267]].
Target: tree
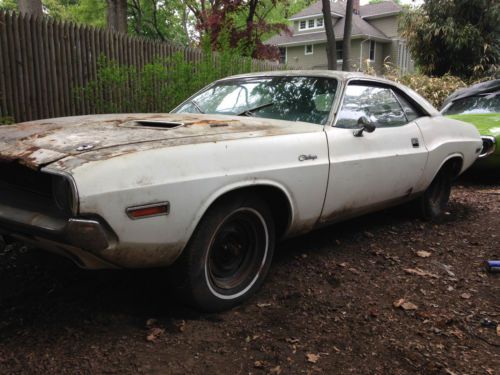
[[346, 44], [243, 22], [164, 20], [117, 15], [455, 36], [8, 5], [33, 7], [88, 12], [331, 51]]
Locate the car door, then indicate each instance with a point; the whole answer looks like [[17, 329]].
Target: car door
[[371, 170]]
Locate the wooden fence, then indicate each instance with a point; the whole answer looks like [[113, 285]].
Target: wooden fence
[[43, 62]]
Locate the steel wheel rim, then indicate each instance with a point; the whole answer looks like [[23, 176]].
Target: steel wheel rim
[[237, 253]]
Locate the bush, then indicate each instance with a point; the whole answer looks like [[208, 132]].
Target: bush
[[162, 84], [6, 120]]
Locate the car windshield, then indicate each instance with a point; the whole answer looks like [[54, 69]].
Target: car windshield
[[307, 99], [487, 103]]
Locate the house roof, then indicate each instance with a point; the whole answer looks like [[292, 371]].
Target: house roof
[[317, 8], [379, 9], [360, 26]]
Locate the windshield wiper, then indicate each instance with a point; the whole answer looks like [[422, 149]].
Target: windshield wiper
[[249, 112], [197, 106]]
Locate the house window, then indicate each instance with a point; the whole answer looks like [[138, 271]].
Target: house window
[[372, 50], [319, 22], [282, 55], [309, 50], [310, 24], [339, 48], [302, 25]]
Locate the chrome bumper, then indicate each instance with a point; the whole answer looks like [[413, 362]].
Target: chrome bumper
[[489, 146], [80, 239]]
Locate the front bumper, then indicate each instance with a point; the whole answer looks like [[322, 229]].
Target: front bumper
[[77, 238]]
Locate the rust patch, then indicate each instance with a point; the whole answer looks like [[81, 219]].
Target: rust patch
[[211, 123]]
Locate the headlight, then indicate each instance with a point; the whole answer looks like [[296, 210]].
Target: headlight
[[64, 197]]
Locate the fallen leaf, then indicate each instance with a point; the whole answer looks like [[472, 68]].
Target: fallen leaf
[[354, 270], [181, 326], [276, 370], [466, 295], [154, 333], [258, 364], [457, 333], [409, 306], [398, 303], [423, 254], [313, 358], [498, 330], [261, 305], [420, 272]]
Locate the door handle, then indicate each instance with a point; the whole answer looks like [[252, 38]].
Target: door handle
[[415, 142]]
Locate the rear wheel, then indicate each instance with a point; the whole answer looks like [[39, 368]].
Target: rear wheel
[[433, 202], [228, 256]]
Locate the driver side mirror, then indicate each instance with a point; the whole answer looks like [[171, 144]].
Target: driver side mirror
[[364, 125]]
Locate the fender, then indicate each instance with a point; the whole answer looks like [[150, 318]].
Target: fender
[[449, 157], [240, 185]]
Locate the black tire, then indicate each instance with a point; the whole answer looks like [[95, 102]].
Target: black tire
[[228, 255], [432, 204]]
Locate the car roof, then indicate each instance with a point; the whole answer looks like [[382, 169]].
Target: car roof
[[343, 76]]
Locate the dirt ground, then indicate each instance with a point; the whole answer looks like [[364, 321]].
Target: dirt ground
[[382, 294]]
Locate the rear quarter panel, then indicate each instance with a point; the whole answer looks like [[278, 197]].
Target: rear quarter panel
[[446, 138]]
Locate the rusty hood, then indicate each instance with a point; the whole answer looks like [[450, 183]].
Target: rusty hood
[[39, 143]]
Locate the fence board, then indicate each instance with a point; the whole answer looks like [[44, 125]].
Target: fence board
[[43, 63]]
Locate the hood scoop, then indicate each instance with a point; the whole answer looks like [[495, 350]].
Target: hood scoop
[[156, 124]]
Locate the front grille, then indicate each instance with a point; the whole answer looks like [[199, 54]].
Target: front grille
[[19, 177]]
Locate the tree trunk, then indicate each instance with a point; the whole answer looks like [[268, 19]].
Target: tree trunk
[[117, 15], [33, 7], [331, 50], [346, 44]]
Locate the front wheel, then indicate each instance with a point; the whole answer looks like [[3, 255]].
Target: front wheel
[[229, 254], [433, 202]]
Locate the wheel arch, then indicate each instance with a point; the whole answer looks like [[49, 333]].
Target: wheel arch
[[274, 194], [455, 162]]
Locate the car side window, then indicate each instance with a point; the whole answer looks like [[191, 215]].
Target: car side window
[[378, 104], [409, 110]]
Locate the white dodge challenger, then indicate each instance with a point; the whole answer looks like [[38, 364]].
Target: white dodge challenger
[[210, 187]]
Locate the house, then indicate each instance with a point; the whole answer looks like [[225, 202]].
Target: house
[[375, 38]]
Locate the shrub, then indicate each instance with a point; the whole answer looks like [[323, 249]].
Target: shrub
[[434, 89], [6, 120], [162, 84]]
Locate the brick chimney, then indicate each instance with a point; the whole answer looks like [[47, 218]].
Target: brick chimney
[[355, 6]]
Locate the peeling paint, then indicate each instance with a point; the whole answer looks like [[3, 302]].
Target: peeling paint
[[78, 140]]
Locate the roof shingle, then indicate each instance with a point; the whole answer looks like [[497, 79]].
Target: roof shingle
[[360, 27]]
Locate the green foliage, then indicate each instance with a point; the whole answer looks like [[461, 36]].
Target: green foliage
[[434, 89], [9, 5], [88, 12], [164, 20], [380, 1], [454, 36], [6, 120], [160, 85]]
